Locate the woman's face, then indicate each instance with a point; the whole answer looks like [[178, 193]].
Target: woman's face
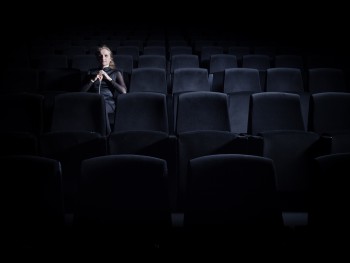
[[105, 57]]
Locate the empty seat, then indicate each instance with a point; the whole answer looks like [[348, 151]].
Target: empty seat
[[132, 50], [16, 143], [71, 148], [190, 145], [123, 201], [206, 52], [292, 152], [21, 115], [79, 111], [260, 62], [141, 127], [329, 215], [326, 80], [284, 80], [202, 110], [275, 111], [329, 112], [34, 204], [28, 82], [84, 62], [125, 64], [152, 61], [190, 79], [54, 80], [328, 116], [184, 61], [141, 111], [217, 66], [232, 195], [220, 62], [21, 112], [289, 80], [148, 80]]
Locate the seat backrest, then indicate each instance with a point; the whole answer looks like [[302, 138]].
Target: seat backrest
[[66, 79], [141, 111], [284, 80], [292, 152], [326, 80], [21, 112], [220, 62], [329, 210], [329, 112], [148, 80], [275, 111], [184, 61], [79, 111], [190, 79], [232, 189], [152, 61], [34, 205], [133, 51], [84, 62], [123, 195], [202, 110], [241, 79]]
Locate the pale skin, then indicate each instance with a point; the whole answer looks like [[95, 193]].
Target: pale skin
[[105, 60]]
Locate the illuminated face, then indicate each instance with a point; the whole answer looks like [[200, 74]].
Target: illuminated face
[[105, 57]]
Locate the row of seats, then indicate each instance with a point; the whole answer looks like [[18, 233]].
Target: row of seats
[[202, 48], [262, 62], [187, 79], [123, 203], [247, 112]]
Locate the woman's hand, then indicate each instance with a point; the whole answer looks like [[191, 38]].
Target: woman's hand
[[99, 77], [102, 74]]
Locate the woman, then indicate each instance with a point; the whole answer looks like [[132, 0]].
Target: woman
[[105, 80]]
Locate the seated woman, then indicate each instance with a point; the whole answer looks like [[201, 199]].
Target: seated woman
[[105, 80]]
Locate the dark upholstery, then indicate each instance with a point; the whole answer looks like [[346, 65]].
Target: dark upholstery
[[202, 111], [79, 111], [141, 111], [329, 112], [34, 204], [232, 201], [71, 148], [148, 79], [275, 111], [122, 199], [326, 80]]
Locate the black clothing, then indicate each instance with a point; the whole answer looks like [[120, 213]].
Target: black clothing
[[108, 89]]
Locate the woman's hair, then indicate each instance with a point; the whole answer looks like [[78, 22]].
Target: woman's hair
[[98, 53]]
